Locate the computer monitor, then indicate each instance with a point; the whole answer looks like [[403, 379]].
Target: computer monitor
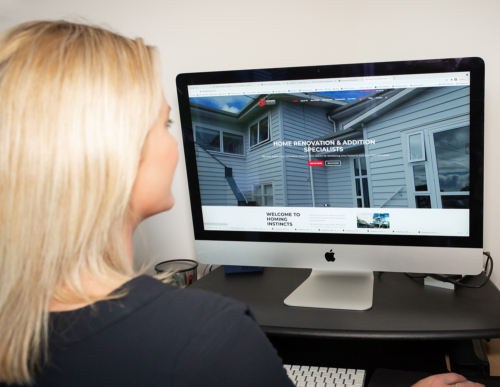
[[344, 169]]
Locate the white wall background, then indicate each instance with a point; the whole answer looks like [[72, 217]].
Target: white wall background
[[201, 35]]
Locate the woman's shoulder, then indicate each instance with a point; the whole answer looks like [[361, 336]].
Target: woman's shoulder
[[176, 336], [148, 305], [173, 296], [203, 304]]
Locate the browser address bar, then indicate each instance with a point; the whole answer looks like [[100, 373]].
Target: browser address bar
[[378, 78]]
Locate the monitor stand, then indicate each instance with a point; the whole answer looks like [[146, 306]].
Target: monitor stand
[[334, 290]]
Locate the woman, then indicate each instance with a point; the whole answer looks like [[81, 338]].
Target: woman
[[85, 156]]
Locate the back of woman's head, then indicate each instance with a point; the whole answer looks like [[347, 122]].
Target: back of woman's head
[[76, 104]]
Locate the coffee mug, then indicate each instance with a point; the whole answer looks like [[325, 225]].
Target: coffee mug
[[183, 272]]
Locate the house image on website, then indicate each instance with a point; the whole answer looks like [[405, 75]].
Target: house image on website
[[410, 149]]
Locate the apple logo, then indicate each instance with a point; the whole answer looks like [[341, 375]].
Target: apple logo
[[330, 256]]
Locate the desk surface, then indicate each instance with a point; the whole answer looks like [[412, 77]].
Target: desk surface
[[402, 308]]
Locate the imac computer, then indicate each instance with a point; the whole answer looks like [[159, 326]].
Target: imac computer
[[343, 169]]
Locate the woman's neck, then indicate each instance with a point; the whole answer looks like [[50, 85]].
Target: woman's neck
[[96, 288], [93, 288]]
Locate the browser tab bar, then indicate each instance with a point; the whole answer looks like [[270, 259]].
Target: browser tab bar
[[331, 84]]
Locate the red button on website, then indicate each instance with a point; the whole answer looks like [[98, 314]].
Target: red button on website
[[315, 163]]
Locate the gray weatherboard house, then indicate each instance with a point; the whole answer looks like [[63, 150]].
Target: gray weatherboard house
[[420, 157]]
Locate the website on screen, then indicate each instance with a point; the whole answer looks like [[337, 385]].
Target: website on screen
[[351, 155]]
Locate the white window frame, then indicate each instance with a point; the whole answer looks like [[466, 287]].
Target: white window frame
[[262, 190], [421, 133], [268, 115], [430, 162], [221, 140]]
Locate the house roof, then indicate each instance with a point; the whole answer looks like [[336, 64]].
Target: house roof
[[367, 103], [367, 110], [316, 98]]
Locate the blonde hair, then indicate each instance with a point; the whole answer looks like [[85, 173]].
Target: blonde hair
[[76, 104]]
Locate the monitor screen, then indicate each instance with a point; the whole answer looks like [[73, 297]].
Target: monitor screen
[[379, 154], [392, 151]]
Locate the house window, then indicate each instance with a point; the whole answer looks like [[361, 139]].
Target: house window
[[423, 201], [232, 143], [220, 141], [208, 138], [442, 179], [259, 132], [420, 177], [263, 194], [421, 186], [453, 168], [416, 148], [361, 182]]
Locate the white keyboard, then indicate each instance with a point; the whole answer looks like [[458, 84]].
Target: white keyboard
[[307, 376]]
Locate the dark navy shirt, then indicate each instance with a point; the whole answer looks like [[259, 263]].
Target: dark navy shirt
[[160, 335]]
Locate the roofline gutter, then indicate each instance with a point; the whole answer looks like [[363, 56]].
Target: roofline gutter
[[354, 105], [332, 121]]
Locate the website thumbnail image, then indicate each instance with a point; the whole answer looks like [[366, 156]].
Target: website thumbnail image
[[379, 149]]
